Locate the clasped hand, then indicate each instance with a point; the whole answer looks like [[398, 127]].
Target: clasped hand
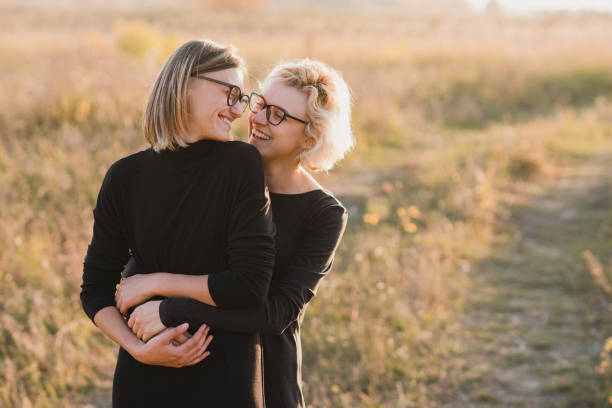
[[135, 290], [145, 321], [171, 347], [161, 349]]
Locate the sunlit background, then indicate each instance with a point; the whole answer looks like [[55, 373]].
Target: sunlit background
[[534, 6], [476, 269]]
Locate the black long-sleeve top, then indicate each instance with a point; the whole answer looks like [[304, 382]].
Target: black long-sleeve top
[[309, 227], [201, 208]]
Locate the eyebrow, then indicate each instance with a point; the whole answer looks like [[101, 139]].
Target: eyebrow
[[268, 102]]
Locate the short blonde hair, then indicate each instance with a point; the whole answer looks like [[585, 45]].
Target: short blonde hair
[[328, 109], [165, 116]]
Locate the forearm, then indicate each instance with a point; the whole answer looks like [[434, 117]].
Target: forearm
[[278, 311], [184, 286], [175, 311], [112, 324], [159, 350]]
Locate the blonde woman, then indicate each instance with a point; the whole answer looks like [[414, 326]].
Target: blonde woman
[[194, 201], [299, 123]]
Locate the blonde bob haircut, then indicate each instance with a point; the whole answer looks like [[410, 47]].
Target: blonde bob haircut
[[165, 116], [328, 110]]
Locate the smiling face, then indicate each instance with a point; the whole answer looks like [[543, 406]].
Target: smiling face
[[209, 115], [285, 142]]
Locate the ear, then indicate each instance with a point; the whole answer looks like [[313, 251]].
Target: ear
[[189, 90], [307, 143]]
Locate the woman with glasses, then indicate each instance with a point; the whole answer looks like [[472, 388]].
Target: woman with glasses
[[299, 123], [195, 201]]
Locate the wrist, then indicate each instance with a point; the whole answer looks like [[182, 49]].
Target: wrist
[[159, 283], [134, 348], [163, 313]]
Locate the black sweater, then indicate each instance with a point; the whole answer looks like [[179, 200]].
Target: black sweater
[[200, 208], [309, 227]]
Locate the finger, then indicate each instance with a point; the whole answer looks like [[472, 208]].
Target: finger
[[188, 350], [168, 335], [200, 349], [198, 359], [193, 342], [194, 355], [195, 351], [202, 346], [205, 334], [193, 339], [202, 352], [136, 329], [132, 321], [207, 342], [203, 330], [142, 331], [150, 333], [182, 338], [205, 345], [120, 301]]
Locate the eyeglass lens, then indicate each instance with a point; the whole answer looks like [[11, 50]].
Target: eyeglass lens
[[274, 115], [236, 96]]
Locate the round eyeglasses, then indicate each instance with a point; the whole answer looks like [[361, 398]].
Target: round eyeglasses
[[234, 96], [274, 114]]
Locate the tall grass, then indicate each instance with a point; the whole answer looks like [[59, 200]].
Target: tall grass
[[449, 114], [603, 278]]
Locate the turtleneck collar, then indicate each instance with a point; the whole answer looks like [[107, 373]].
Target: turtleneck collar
[[193, 151]]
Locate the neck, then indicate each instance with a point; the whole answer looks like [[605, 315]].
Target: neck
[[286, 178], [190, 137]]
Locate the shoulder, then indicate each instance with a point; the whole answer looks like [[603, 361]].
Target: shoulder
[[124, 167], [326, 209], [247, 154], [129, 163], [243, 161], [325, 222], [326, 199]]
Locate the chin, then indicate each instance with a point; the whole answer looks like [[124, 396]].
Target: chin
[[224, 137], [250, 141]]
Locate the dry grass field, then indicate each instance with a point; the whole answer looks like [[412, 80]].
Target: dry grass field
[[476, 269]]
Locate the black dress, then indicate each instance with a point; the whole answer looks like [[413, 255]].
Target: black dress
[[200, 208], [309, 227]]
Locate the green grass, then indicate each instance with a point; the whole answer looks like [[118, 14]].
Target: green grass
[[549, 310]]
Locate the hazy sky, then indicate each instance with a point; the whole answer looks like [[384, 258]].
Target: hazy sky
[[534, 5]]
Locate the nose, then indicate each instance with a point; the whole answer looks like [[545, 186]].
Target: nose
[[260, 117], [236, 110]]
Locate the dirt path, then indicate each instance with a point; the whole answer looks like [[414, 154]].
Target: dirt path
[[535, 321]]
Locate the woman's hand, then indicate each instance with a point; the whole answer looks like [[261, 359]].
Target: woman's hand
[[161, 351], [136, 289], [145, 321]]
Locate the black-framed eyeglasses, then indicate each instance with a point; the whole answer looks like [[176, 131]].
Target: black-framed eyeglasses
[[234, 96], [274, 114]]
